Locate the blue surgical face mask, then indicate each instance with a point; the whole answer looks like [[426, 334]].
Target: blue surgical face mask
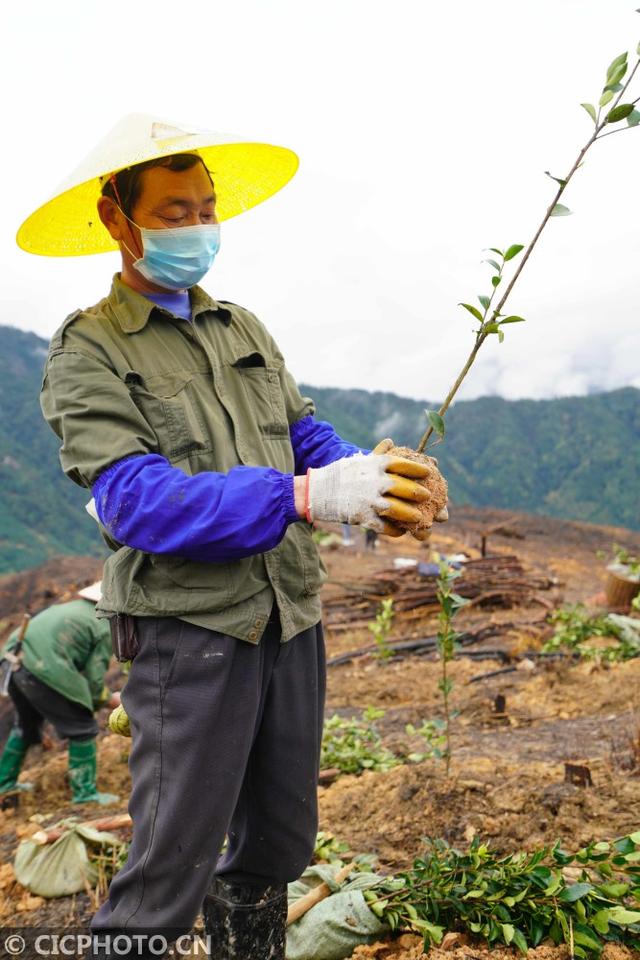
[[178, 258]]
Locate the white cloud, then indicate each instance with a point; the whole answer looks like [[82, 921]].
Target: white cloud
[[423, 130]]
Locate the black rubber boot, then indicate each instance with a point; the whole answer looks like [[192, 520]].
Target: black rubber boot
[[245, 921]]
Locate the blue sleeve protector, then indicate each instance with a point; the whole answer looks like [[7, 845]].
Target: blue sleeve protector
[[315, 444], [147, 504]]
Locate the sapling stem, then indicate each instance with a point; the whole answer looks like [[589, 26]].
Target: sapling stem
[[490, 322]]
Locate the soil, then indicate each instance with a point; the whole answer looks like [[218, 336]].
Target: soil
[[434, 483], [508, 777]]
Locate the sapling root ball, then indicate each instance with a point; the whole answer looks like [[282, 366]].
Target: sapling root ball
[[434, 482]]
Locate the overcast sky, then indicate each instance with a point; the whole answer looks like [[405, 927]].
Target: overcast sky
[[423, 130]]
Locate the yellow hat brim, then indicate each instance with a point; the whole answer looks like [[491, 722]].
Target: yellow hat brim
[[244, 175]]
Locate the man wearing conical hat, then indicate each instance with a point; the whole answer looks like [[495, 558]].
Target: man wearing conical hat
[[207, 468], [57, 675]]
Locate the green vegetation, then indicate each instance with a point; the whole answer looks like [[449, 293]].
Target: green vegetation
[[450, 604], [352, 745], [381, 628], [576, 630], [519, 899]]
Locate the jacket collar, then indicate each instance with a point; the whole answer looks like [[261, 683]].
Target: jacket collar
[[132, 310]]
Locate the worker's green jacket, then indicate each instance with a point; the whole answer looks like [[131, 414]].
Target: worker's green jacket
[[125, 378], [69, 649]]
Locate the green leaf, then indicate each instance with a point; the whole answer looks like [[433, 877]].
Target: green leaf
[[575, 892], [520, 942], [512, 320], [621, 112], [508, 931], [513, 251], [613, 66], [634, 118], [492, 328], [623, 916], [436, 421], [492, 263], [617, 76], [586, 937], [472, 310], [606, 98], [485, 301], [496, 280], [554, 884], [560, 211], [559, 180], [635, 837], [495, 250], [591, 110], [600, 921], [500, 336], [613, 890]]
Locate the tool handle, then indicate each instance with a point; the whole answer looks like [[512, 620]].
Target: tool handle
[[23, 627]]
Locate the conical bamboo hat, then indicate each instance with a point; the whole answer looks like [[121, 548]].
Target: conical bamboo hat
[[244, 173]]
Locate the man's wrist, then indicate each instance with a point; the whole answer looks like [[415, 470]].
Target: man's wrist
[[299, 495]]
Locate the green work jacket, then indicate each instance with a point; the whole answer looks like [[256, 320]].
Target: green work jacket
[[126, 377], [69, 649]]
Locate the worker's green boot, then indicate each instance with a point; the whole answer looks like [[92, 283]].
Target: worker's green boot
[[245, 921], [11, 763], [82, 773]]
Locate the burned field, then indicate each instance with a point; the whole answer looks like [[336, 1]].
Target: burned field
[[543, 747]]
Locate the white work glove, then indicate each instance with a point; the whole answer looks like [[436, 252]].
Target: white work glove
[[358, 489]]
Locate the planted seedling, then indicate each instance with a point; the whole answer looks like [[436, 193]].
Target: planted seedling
[[381, 628]]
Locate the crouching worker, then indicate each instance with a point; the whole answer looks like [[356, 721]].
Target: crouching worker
[[59, 677]]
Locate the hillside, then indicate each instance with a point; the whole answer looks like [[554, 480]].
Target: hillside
[[41, 512], [522, 722], [574, 458]]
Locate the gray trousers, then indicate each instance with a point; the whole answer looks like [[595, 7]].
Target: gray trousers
[[226, 741]]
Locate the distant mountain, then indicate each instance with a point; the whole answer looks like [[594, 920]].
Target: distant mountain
[[576, 458], [41, 512]]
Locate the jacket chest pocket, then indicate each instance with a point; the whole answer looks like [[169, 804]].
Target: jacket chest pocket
[[260, 383], [172, 412]]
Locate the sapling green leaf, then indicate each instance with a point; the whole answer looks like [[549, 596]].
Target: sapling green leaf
[[472, 310], [634, 118], [500, 336], [606, 98], [485, 301], [436, 421], [560, 210], [495, 250], [621, 112], [617, 76], [491, 328], [513, 251], [493, 264], [613, 66], [495, 281], [512, 320], [591, 110], [559, 180]]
